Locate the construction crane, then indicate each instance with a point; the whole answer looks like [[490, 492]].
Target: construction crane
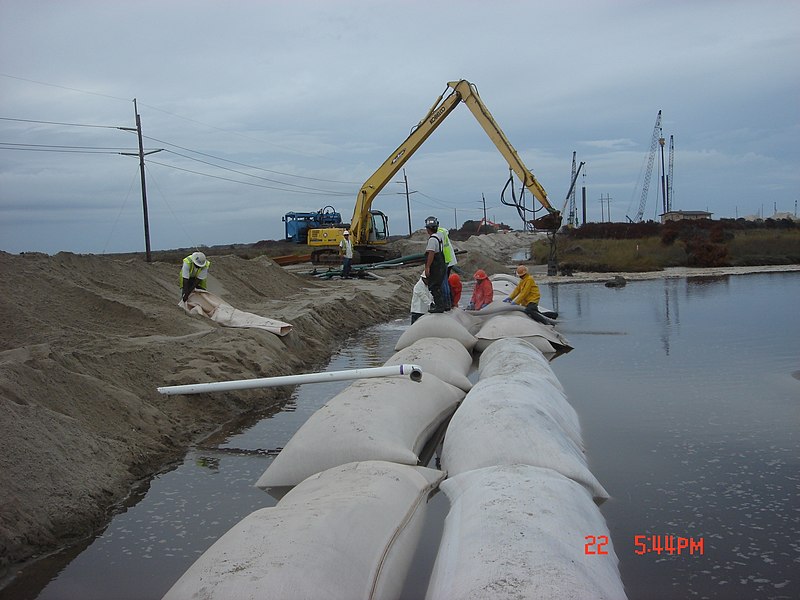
[[649, 171], [572, 218], [669, 174]]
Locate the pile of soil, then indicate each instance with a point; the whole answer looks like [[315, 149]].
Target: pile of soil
[[88, 339]]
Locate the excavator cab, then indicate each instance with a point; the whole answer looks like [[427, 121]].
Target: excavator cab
[[379, 232]]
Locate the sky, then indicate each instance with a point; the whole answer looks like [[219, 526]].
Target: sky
[[251, 109]]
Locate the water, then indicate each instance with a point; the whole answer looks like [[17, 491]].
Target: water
[[689, 398], [690, 412]]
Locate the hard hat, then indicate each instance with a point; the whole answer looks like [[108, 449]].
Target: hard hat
[[199, 259], [522, 270], [480, 274], [431, 223], [345, 232]]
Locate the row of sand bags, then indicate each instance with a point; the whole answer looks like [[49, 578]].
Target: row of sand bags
[[350, 526], [477, 330], [522, 496], [346, 533]]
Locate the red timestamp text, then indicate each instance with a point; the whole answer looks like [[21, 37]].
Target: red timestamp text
[[667, 544], [595, 544]]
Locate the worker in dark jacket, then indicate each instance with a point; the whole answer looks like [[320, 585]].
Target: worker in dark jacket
[[435, 266]]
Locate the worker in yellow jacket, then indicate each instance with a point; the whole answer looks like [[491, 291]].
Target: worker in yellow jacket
[[526, 293], [194, 274]]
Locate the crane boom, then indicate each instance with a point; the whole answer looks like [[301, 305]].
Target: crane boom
[[462, 91], [649, 171], [669, 174]]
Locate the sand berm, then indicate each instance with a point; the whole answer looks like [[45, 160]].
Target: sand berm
[[88, 339]]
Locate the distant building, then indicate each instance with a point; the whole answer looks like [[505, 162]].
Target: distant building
[[692, 215]]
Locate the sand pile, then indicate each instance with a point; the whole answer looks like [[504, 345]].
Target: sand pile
[[88, 339]]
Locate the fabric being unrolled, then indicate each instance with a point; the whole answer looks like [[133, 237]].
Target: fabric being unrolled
[[206, 304]]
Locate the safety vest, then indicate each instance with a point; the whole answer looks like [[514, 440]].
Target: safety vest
[[447, 248], [194, 271]]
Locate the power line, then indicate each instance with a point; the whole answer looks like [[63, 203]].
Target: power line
[[58, 123], [252, 166], [248, 174], [58, 148], [323, 193]]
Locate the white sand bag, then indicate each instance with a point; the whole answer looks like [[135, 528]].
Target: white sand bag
[[520, 532], [510, 356], [501, 279], [346, 533], [445, 358], [519, 325], [539, 394], [501, 423], [496, 307], [206, 304], [502, 285], [389, 419], [464, 317], [440, 325]]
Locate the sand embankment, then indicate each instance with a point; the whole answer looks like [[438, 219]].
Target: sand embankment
[[88, 339]]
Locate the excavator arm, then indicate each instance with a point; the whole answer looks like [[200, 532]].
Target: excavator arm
[[461, 91]]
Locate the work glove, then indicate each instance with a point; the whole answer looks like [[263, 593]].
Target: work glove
[[507, 300]]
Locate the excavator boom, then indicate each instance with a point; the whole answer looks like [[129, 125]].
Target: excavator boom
[[368, 227], [462, 91]]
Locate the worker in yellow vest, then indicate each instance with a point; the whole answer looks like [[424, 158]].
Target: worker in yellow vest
[[194, 274]]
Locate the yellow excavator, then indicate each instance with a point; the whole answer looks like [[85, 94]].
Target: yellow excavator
[[369, 228]]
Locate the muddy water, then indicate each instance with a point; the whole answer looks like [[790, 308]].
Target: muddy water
[[689, 399]]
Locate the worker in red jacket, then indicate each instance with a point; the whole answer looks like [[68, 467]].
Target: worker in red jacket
[[483, 293], [455, 288]]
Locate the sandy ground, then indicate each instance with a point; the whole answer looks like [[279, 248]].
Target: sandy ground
[[87, 340]]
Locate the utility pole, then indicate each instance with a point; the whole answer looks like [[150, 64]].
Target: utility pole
[[141, 155], [408, 202], [484, 210]]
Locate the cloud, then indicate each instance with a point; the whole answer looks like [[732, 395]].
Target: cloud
[[295, 104]]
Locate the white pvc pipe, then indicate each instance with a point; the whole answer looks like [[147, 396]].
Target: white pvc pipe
[[413, 371]]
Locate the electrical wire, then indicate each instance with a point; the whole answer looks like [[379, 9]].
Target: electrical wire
[[270, 187]]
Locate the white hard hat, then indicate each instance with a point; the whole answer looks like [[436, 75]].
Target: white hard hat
[[199, 259], [345, 232]]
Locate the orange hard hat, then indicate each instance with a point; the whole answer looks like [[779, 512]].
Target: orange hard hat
[[480, 274]]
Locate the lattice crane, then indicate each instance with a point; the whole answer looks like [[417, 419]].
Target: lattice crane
[[649, 171]]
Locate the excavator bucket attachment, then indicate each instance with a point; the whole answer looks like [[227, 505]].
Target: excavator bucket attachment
[[550, 222]]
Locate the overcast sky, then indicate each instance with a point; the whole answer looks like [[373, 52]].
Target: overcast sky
[[264, 107]]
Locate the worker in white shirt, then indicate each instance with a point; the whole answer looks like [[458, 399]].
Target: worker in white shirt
[[346, 252]]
